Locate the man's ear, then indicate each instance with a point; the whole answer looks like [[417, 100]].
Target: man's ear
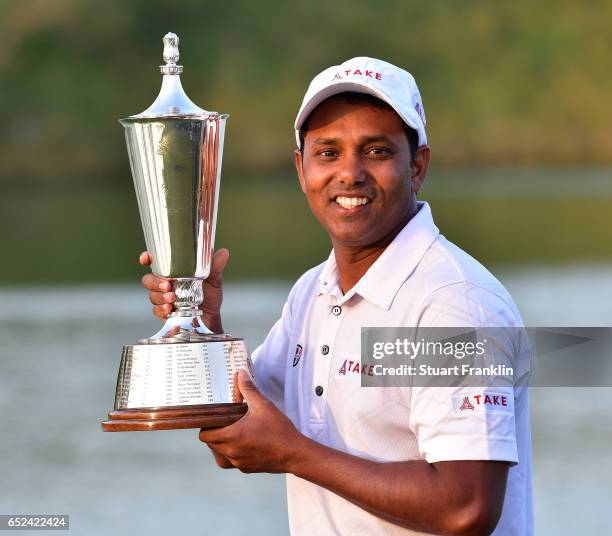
[[420, 165], [297, 154]]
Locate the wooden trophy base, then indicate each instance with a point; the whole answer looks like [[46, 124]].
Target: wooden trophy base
[[174, 417]]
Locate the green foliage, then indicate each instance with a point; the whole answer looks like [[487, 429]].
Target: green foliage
[[71, 236], [503, 82]]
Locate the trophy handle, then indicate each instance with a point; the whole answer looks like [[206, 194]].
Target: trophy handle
[[185, 324], [189, 296]]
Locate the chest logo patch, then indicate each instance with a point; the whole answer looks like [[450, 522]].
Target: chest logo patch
[[356, 367], [299, 349]]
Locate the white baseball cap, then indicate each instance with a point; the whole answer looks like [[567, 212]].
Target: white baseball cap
[[383, 80]]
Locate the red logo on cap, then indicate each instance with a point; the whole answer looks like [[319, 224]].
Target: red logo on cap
[[419, 110], [357, 72]]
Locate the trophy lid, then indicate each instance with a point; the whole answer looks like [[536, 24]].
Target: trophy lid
[[172, 100]]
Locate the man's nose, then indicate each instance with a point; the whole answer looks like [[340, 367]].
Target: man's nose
[[351, 170]]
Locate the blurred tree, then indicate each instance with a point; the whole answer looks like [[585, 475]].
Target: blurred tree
[[514, 84], [518, 83]]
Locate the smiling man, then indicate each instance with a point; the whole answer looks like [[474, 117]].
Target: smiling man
[[388, 460]]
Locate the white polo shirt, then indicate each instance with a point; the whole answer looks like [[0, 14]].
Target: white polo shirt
[[309, 365]]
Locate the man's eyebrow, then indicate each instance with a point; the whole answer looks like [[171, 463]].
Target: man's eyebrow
[[378, 137], [362, 141], [325, 141]]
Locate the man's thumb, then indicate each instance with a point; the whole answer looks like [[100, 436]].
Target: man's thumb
[[218, 264], [247, 387]]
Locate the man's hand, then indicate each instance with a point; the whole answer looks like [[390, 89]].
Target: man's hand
[[264, 440], [162, 297], [407, 493]]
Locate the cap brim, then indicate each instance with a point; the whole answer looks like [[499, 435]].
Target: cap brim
[[343, 87]]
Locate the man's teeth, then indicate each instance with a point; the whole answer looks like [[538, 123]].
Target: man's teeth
[[350, 202]]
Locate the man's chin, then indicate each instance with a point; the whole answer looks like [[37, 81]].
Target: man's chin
[[350, 237]]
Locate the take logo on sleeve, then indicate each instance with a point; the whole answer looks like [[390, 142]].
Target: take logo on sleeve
[[484, 402]]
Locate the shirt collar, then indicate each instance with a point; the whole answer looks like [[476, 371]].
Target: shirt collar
[[384, 278]]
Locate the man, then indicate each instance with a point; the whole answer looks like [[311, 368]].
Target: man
[[373, 460]]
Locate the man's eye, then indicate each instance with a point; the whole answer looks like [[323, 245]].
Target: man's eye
[[378, 151], [327, 153]]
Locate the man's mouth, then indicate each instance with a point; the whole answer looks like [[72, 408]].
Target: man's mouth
[[351, 202]]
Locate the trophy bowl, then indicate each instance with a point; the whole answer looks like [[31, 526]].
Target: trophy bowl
[[183, 376]]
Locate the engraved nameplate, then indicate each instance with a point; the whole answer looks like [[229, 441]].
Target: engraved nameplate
[[160, 375]]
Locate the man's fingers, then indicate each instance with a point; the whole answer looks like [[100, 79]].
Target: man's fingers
[[238, 398], [160, 290], [160, 295], [145, 258], [222, 461], [212, 436], [162, 311], [219, 261], [156, 284], [247, 387], [162, 298]]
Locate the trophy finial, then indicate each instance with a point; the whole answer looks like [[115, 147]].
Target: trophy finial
[[171, 55], [171, 100]]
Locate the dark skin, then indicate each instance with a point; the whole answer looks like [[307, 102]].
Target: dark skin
[[359, 151], [353, 151]]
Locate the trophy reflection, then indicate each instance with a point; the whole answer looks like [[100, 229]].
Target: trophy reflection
[[181, 377]]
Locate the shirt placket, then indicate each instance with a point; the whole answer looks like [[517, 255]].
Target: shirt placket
[[325, 354]]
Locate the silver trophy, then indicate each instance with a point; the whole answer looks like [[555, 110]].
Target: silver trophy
[[181, 377]]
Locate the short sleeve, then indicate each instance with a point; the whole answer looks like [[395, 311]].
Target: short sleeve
[[469, 422], [269, 359]]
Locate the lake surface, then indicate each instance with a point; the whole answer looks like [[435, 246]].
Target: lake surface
[[60, 350]]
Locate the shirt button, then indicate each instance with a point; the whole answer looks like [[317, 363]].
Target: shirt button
[[325, 349], [319, 390], [336, 310]]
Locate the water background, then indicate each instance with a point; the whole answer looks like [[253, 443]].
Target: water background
[[520, 175], [60, 350]]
